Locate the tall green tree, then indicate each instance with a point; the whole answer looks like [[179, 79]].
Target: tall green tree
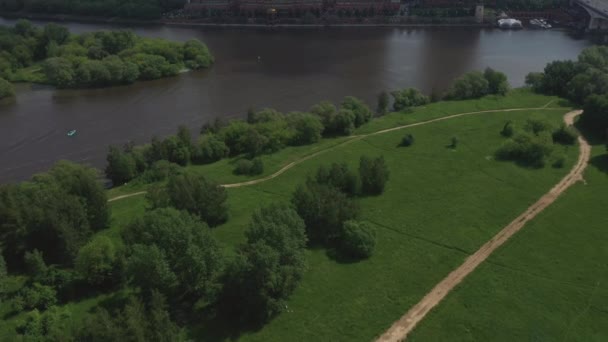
[[175, 253], [199, 196], [268, 267]]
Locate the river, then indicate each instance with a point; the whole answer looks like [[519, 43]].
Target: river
[[298, 68]]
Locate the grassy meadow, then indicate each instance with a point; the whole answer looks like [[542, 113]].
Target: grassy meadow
[[439, 206], [548, 283]]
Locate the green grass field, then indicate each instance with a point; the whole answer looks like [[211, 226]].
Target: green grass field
[[548, 283], [440, 205]]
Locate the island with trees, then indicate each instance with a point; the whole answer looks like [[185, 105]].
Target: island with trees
[[52, 55]]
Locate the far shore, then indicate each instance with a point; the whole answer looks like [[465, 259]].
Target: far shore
[[194, 23]]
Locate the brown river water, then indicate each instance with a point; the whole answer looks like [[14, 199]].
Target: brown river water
[[297, 68]]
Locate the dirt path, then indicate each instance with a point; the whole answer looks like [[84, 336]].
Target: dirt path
[[352, 139], [400, 329]]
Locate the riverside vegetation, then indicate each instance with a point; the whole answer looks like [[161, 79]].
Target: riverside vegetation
[[150, 268], [98, 59]]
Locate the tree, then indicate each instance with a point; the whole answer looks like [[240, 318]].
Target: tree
[[584, 84], [307, 128], [34, 264], [175, 150], [6, 89], [358, 239], [175, 253], [526, 149], [60, 72], [199, 196], [535, 80], [149, 269], [595, 114], [556, 77], [210, 149], [408, 140], [98, 262], [407, 98], [507, 130], [135, 321], [383, 102], [374, 174], [497, 82], [232, 136], [323, 209], [564, 135], [82, 181], [56, 33], [362, 112], [340, 177], [471, 85], [121, 166], [269, 266]]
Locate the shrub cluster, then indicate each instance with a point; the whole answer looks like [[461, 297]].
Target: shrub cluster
[[408, 98], [476, 84], [6, 89], [532, 147], [249, 167]]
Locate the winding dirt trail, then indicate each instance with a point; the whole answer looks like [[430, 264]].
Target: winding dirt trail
[[400, 329], [350, 140]]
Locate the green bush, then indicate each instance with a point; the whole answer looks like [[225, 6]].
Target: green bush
[[210, 149], [374, 174], [340, 177], [358, 239], [6, 89], [362, 112], [249, 167], [537, 126], [38, 296], [497, 82], [307, 128], [195, 194], [507, 130], [565, 135], [98, 262], [526, 149], [408, 140], [470, 86], [121, 166], [559, 161], [324, 209], [160, 171], [408, 98]]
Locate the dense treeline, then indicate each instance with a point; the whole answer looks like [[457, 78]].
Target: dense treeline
[[584, 82], [95, 59], [263, 132], [140, 9]]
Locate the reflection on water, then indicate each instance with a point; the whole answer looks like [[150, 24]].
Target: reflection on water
[[297, 68]]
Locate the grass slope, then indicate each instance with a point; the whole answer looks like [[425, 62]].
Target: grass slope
[[548, 283], [440, 205]]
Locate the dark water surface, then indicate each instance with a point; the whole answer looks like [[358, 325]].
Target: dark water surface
[[298, 68]]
